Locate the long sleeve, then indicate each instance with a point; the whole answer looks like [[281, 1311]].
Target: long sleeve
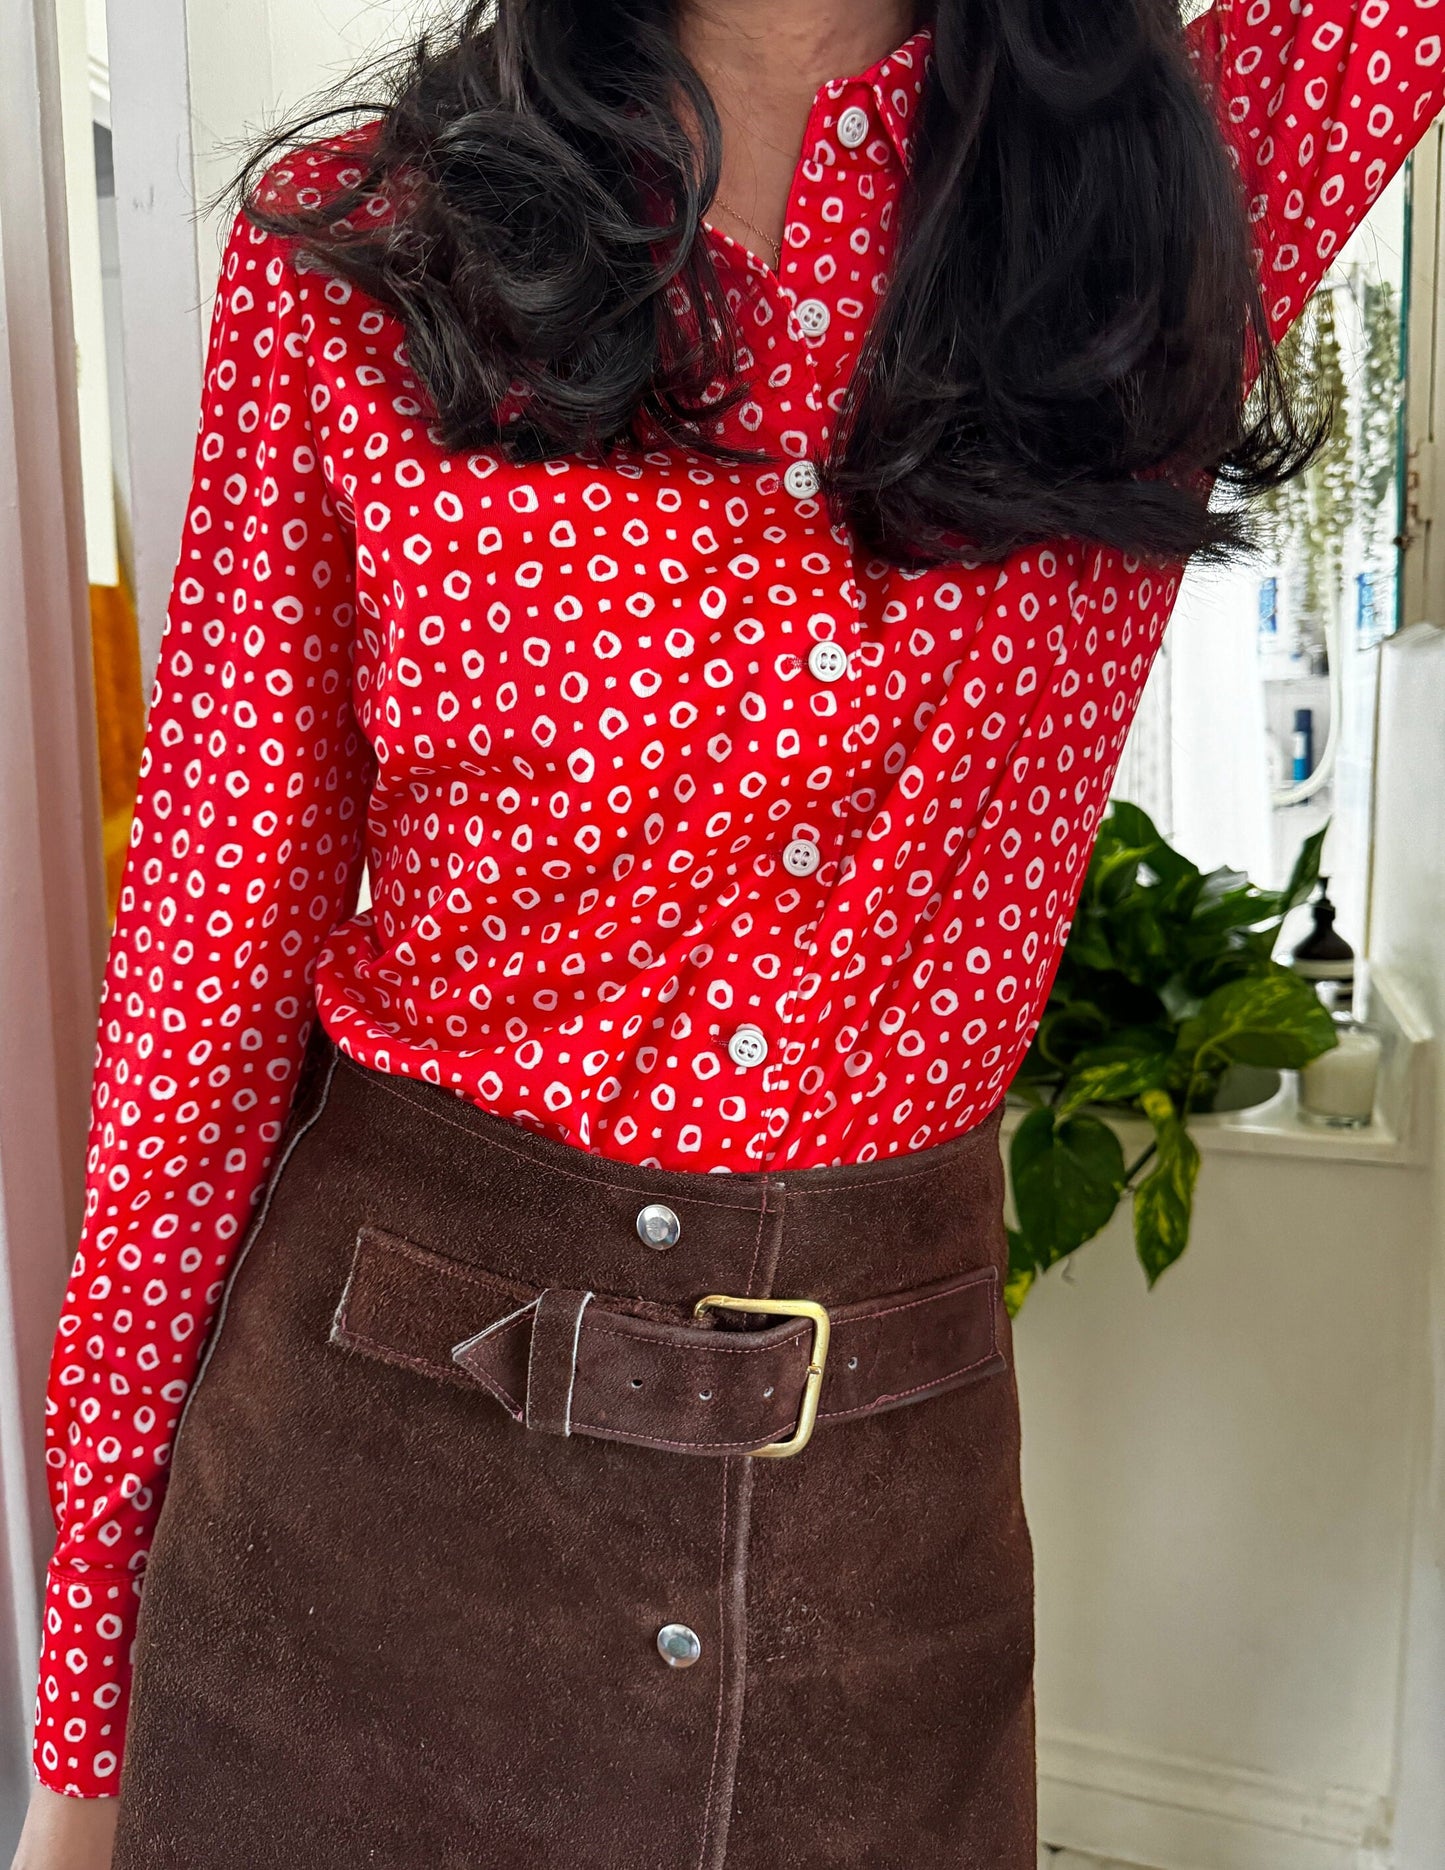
[[1321, 101], [245, 851]]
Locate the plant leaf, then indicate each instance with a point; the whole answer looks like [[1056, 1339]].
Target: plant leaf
[[1274, 1018], [1166, 979], [1089, 943], [1141, 940], [1067, 1179], [1229, 960], [1116, 1073], [1067, 1027], [1133, 826], [1115, 872], [1179, 1001], [1114, 1000], [1299, 889], [1216, 916], [1178, 896], [1306, 872], [1223, 884], [1020, 1273], [1164, 1200]]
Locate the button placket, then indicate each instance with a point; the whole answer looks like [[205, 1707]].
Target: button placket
[[749, 1046], [833, 654], [866, 154], [788, 1052], [823, 361], [808, 317]]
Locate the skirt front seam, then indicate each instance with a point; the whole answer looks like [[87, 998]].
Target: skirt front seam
[[732, 1669]]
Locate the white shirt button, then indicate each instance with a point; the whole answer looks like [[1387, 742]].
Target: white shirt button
[[802, 480], [802, 857], [828, 661], [813, 317], [853, 127], [748, 1046]]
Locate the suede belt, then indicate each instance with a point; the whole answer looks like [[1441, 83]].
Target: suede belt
[[581, 1363]]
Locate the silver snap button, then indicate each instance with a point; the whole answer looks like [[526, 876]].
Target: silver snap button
[[813, 317], [853, 127], [748, 1046], [678, 1646], [802, 857], [802, 480], [658, 1226], [828, 661]]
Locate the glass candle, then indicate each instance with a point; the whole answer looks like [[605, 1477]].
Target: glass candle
[[1338, 1088]]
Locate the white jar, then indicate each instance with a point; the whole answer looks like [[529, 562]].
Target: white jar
[[1337, 1090]]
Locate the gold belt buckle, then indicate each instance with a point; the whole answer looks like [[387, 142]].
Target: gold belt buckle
[[817, 1358]]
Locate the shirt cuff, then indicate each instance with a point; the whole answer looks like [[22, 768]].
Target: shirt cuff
[[82, 1696]]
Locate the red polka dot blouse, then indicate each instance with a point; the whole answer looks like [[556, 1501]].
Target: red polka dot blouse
[[694, 836]]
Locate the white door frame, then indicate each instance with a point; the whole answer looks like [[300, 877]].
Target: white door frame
[[162, 338], [1413, 667], [52, 897], [1423, 571]]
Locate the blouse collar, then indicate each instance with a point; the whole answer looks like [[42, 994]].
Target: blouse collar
[[897, 82]]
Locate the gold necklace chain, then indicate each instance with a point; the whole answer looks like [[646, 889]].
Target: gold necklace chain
[[775, 247]]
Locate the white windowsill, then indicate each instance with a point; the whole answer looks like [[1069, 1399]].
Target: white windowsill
[[1397, 1135]]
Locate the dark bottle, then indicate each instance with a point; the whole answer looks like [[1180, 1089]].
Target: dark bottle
[[1325, 957]]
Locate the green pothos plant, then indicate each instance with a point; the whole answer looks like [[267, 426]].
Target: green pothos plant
[[1166, 980]]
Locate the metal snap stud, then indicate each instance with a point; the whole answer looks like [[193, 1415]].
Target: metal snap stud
[[678, 1646], [658, 1226]]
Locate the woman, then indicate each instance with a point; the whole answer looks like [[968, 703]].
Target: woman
[[687, 497]]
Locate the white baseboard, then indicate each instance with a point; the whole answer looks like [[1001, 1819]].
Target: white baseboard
[[1133, 1807]]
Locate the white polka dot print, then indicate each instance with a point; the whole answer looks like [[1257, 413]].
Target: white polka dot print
[[651, 870]]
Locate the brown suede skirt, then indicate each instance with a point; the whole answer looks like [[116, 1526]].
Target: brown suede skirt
[[467, 1559]]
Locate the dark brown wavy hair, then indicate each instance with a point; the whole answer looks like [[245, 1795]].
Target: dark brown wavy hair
[[1073, 343]]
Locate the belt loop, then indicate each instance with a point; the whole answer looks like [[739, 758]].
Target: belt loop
[[552, 1360]]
